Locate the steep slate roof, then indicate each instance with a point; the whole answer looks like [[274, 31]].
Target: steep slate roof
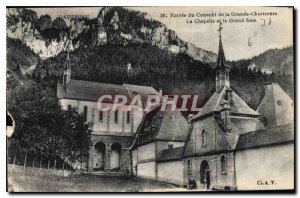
[[221, 55], [170, 154], [238, 106], [245, 124], [276, 106], [144, 91], [162, 125], [144, 133], [275, 135], [91, 91], [173, 126]]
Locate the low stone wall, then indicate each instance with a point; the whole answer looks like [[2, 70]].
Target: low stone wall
[[37, 171], [171, 172]]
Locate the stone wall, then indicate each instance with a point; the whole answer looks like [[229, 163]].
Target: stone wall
[[146, 152], [255, 167], [171, 172], [144, 159], [144, 165], [146, 170]]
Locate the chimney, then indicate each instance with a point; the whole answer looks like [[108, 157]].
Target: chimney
[[160, 91], [268, 87]]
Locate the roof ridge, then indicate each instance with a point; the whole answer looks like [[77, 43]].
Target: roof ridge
[[94, 82], [188, 137], [245, 102], [124, 84]]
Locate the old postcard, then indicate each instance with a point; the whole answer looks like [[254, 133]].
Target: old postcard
[[150, 99]]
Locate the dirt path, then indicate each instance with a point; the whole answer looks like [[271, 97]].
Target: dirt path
[[84, 183]]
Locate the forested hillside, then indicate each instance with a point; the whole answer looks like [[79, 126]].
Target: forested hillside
[[152, 66], [279, 61], [19, 56]]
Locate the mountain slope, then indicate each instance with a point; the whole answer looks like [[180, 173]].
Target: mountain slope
[[274, 60], [122, 46], [279, 61], [113, 25], [19, 57]]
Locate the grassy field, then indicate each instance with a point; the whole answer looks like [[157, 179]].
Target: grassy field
[[83, 183]]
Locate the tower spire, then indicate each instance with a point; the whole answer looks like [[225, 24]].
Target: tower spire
[[67, 64], [67, 70], [222, 70], [221, 56]]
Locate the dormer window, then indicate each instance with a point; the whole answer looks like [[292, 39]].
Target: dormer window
[[170, 146], [153, 127]]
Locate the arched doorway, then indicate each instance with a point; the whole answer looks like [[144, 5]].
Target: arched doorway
[[205, 174], [115, 159], [99, 156]]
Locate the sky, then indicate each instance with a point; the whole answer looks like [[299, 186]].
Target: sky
[[241, 40]]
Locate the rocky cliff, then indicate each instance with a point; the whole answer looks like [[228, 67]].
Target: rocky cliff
[[113, 25]]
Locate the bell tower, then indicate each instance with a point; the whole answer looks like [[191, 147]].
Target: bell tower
[[67, 71], [222, 70]]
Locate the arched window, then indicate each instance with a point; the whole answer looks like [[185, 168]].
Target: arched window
[[99, 156], [223, 164], [115, 158], [189, 167], [204, 140]]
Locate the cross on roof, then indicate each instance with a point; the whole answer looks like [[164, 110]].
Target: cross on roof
[[220, 29]]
